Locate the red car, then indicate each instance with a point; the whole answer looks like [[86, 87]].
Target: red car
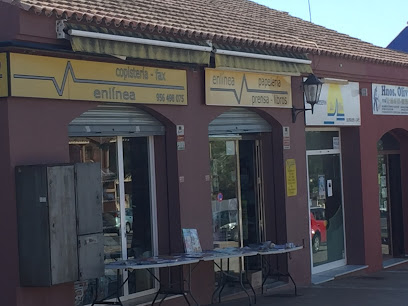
[[317, 227]]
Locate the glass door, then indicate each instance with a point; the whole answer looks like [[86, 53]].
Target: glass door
[[226, 196], [236, 193], [326, 210], [327, 237], [225, 193], [249, 180], [250, 169], [390, 197], [138, 227], [390, 200], [383, 184]]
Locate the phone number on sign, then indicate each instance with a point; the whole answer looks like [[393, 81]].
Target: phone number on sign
[[171, 98]]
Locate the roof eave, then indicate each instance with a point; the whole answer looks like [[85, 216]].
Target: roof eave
[[178, 32]]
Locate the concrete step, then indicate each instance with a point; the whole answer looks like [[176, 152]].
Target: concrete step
[[331, 274]]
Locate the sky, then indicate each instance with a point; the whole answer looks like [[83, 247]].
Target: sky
[[374, 21]]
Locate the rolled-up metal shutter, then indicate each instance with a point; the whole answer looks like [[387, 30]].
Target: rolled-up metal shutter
[[238, 121], [115, 120]]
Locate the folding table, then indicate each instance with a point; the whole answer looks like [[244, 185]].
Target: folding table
[[277, 251], [150, 265]]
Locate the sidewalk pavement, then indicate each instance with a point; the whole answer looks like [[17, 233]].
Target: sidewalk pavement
[[385, 288]]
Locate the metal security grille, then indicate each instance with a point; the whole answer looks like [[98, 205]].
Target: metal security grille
[[238, 121], [115, 120]]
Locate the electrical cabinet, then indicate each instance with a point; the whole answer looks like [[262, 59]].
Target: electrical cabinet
[[59, 224], [88, 195]]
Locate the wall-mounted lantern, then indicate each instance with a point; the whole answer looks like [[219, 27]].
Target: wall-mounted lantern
[[311, 89]]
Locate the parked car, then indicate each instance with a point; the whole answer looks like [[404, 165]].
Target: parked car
[[226, 225], [318, 225], [111, 221]]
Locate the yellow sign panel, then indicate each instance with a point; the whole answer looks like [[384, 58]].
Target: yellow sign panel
[[234, 88], [335, 104], [58, 78], [3, 75], [291, 180]]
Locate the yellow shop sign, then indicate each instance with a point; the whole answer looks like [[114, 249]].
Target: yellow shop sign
[[235, 88], [3, 75], [58, 78]]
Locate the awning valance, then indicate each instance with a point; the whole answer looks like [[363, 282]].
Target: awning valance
[[245, 63], [140, 51], [121, 43]]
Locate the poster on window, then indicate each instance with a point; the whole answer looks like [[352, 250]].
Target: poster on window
[[329, 188], [383, 180], [383, 192], [230, 147], [322, 187], [389, 99]]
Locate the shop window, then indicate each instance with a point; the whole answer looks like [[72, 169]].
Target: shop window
[[322, 140], [125, 171]]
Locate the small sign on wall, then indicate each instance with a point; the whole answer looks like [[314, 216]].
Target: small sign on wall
[[389, 99], [291, 180], [181, 144], [180, 130], [286, 138]]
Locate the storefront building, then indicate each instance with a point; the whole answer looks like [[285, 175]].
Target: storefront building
[[196, 131], [139, 150], [360, 127], [180, 146], [337, 109]]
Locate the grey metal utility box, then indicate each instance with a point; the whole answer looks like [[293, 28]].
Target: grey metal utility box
[[88, 193], [46, 225], [88, 185], [91, 256], [53, 213]]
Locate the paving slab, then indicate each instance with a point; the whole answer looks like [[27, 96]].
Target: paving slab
[[384, 288]]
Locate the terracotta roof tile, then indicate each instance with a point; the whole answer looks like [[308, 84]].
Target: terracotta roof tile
[[233, 21]]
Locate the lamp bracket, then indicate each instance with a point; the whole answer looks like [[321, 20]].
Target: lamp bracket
[[297, 111]]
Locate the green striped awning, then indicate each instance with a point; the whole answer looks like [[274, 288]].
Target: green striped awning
[[176, 55], [223, 61], [139, 51], [245, 63]]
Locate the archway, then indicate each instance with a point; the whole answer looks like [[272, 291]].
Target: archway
[[122, 139], [243, 213], [390, 194], [237, 177]]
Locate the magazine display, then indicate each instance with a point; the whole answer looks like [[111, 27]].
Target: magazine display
[[191, 241]]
